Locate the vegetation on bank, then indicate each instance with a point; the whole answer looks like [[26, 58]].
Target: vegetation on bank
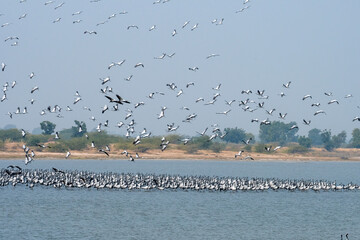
[[233, 139]]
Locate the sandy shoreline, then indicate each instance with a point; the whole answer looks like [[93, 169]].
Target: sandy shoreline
[[175, 154]]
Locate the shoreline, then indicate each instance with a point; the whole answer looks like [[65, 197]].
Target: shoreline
[[340, 155]]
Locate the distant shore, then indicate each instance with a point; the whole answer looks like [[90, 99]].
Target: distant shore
[[316, 154]]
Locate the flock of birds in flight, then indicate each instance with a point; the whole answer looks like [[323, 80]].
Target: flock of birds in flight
[[117, 100]]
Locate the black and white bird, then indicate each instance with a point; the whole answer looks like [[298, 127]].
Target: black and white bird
[[119, 100], [333, 101], [306, 96], [90, 32], [57, 135], [247, 142], [318, 112], [306, 122], [34, 89], [103, 151], [3, 65], [239, 154], [139, 65], [194, 69], [287, 85]]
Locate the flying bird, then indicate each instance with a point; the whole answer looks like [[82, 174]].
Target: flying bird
[[119, 100]]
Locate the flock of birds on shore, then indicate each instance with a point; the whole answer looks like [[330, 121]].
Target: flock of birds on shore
[[116, 100]]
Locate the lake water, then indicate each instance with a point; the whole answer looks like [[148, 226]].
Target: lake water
[[48, 213]]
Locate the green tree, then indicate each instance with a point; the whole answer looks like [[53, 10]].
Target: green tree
[[47, 127], [79, 130], [339, 139], [315, 137], [304, 142], [234, 135], [278, 132], [355, 140], [326, 139]]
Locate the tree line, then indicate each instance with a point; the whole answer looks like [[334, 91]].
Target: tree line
[[279, 133]]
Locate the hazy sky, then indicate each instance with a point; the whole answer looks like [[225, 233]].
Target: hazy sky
[[313, 44]]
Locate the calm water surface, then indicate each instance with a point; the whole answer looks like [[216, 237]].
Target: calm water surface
[[48, 213]]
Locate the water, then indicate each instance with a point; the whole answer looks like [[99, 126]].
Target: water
[[48, 213]]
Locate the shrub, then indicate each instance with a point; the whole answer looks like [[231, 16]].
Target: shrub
[[304, 141], [34, 140], [297, 149], [217, 147], [248, 148], [76, 143], [260, 148], [2, 145], [57, 147], [11, 134]]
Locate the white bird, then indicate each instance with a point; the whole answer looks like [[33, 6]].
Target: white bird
[[11, 38], [174, 33], [67, 155], [212, 55], [270, 111], [112, 16], [3, 97], [306, 122], [171, 55], [77, 100], [162, 114], [23, 16], [318, 112], [348, 96], [77, 13], [199, 99], [294, 127], [194, 27], [238, 154], [203, 132], [77, 21], [287, 85], [282, 116], [277, 148], [315, 105], [179, 93], [57, 135], [247, 142], [229, 102], [193, 69], [34, 89], [105, 108], [132, 26], [306, 96], [57, 20], [3, 65], [105, 80], [220, 22], [185, 24], [217, 88], [153, 27], [225, 112], [190, 84], [48, 2], [333, 101], [60, 5], [139, 65], [31, 75], [329, 94], [23, 133], [90, 32]]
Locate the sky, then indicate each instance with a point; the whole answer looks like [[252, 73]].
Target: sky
[[313, 44]]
